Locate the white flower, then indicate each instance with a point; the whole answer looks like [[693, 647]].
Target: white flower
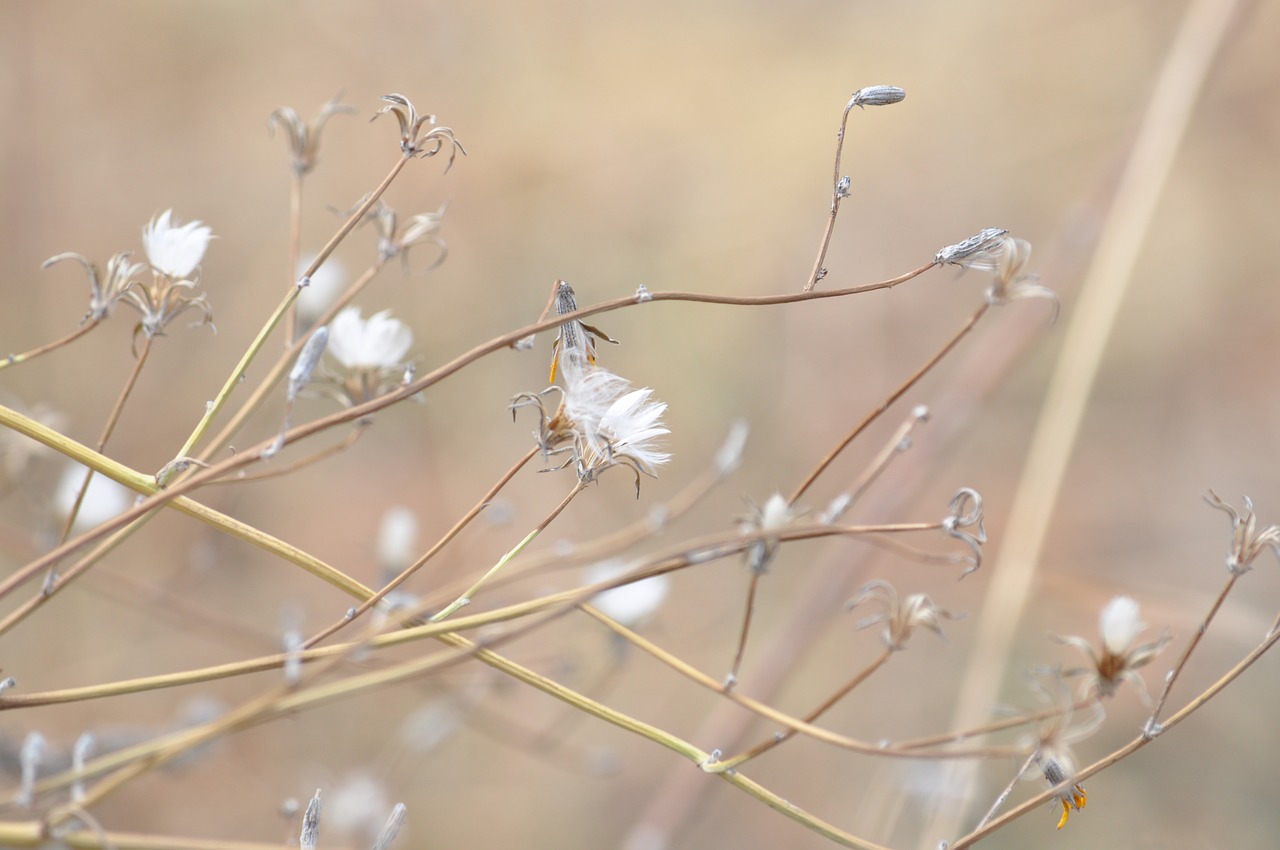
[[379, 342], [357, 806], [1117, 659], [776, 515], [104, 500], [397, 540], [326, 285], [631, 604], [175, 251], [1119, 624]]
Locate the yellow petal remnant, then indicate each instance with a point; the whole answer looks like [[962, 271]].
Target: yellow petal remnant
[[1071, 797]]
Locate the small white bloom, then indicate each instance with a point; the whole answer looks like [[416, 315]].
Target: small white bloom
[[397, 540], [776, 515], [172, 249], [379, 342], [357, 806], [631, 604], [105, 498], [1119, 624], [326, 285]]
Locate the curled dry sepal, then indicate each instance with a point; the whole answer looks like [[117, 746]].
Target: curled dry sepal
[[413, 140], [901, 617], [965, 512], [304, 138], [1116, 659], [395, 239], [1247, 542]]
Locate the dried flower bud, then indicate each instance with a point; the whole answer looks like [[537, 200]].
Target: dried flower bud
[[391, 829], [310, 835], [876, 96], [310, 355], [956, 254]]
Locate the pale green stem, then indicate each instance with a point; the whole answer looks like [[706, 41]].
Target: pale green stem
[[465, 598]]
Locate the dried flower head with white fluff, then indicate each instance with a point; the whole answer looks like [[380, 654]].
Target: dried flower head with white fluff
[[371, 353], [765, 521], [1116, 660], [602, 422], [174, 252]]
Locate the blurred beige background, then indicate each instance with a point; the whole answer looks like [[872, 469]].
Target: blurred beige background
[[679, 146]]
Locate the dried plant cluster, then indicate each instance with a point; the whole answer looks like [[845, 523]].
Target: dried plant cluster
[[592, 428]]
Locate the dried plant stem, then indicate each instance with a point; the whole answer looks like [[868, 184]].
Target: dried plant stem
[[301, 463], [1153, 721], [55, 583], [404, 575], [33, 834], [174, 496], [1008, 789], [470, 592], [888, 402], [274, 319], [554, 602], [1150, 162], [772, 714], [752, 587], [818, 271], [295, 246], [15, 359], [112, 418], [765, 746]]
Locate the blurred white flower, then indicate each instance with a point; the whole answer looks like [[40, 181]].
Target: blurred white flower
[[172, 249], [326, 285], [776, 515], [397, 540], [103, 500], [379, 342], [631, 604], [357, 807]]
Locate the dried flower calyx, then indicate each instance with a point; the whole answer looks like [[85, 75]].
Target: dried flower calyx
[[901, 617], [304, 137], [414, 141]]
